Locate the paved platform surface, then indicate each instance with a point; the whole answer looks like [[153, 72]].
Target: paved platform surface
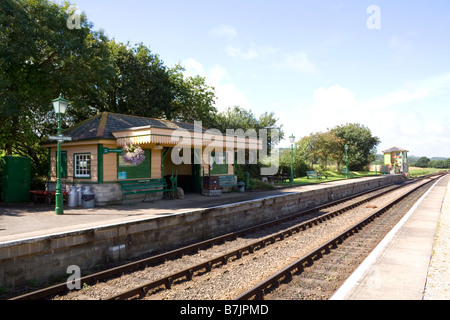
[[411, 263], [21, 221]]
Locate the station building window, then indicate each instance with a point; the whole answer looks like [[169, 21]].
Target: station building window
[[82, 165]]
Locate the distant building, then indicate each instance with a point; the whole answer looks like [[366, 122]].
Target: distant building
[[396, 159]]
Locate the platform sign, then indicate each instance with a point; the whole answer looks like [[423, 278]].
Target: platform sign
[[108, 150], [60, 138]]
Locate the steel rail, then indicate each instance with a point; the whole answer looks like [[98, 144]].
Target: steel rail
[[297, 267]]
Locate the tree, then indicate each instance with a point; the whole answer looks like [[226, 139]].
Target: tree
[[239, 118], [301, 159], [360, 142], [143, 86], [439, 164], [423, 162], [235, 118], [141, 83], [311, 145], [40, 57], [330, 147], [193, 100]]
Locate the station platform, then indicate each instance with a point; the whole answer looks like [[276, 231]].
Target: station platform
[[25, 221], [412, 261]]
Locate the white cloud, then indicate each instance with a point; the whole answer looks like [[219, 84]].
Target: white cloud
[[413, 91], [300, 62], [399, 44], [223, 31], [334, 98], [227, 94], [331, 106], [397, 97], [193, 68], [253, 52], [238, 52], [400, 47]]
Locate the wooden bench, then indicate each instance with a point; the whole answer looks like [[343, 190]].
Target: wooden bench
[[46, 196], [313, 175], [281, 177], [147, 186], [228, 181]]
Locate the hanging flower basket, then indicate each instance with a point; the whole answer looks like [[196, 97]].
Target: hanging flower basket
[[133, 155]]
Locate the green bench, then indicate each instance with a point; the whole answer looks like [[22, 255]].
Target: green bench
[[228, 181], [147, 186], [313, 175]]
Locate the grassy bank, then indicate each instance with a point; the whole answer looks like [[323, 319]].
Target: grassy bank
[[330, 176], [417, 172]]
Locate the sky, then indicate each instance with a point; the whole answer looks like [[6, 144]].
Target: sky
[[316, 64]]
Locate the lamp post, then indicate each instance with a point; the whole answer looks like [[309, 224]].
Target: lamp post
[[346, 161], [60, 107], [292, 140], [375, 161]]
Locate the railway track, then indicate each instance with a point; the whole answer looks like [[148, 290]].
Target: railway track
[[318, 274], [144, 277]]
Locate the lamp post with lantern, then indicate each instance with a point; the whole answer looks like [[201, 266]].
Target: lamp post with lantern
[[60, 106]]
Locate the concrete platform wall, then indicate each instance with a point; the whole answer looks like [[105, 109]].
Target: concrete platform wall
[[45, 257]]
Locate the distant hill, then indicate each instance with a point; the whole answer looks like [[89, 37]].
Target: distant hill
[[412, 158], [438, 158]]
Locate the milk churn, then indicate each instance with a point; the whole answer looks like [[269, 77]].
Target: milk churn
[[79, 192], [72, 197]]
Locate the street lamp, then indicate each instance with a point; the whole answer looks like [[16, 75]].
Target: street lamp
[[346, 161], [60, 107], [375, 161], [292, 140]]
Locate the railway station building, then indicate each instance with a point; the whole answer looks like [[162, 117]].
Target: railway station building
[[110, 148]]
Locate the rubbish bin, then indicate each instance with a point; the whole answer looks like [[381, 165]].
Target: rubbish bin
[[241, 186], [88, 198]]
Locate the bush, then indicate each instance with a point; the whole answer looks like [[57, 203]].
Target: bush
[[255, 184]]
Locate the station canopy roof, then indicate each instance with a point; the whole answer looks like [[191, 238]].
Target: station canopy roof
[[127, 129]]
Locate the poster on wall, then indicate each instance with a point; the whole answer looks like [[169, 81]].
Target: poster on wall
[[127, 170]]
